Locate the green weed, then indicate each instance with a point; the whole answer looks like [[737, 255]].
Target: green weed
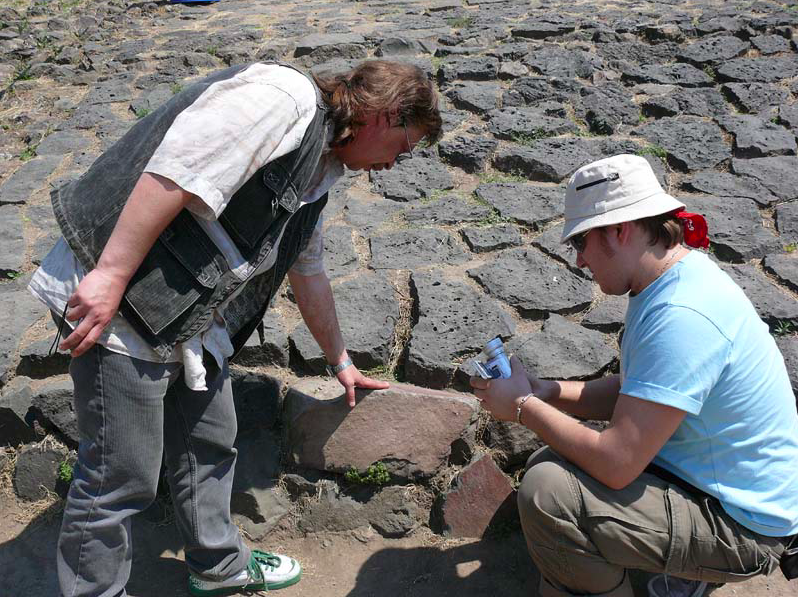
[[654, 150], [460, 22], [494, 177], [28, 153], [376, 474], [65, 472], [790, 248], [142, 112], [529, 139], [176, 88], [784, 328]]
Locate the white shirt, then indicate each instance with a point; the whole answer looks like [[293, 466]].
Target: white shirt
[[211, 149]]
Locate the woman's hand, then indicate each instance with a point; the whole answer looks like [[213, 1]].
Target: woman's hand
[[501, 396]]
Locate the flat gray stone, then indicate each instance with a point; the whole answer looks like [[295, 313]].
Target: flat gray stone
[[109, 92], [608, 315], [762, 70], [63, 142], [735, 226], [713, 50], [323, 433], [549, 243], [548, 160], [757, 138], [544, 26], [699, 101], [367, 313], [437, 342], [513, 443], [257, 399], [340, 258], [308, 44], [788, 116], [36, 360], [409, 249], [491, 238], [480, 68], [448, 210], [527, 124], [393, 514], [12, 240], [691, 143], [18, 311], [533, 284], [788, 345], [477, 97], [29, 178], [681, 74], [724, 184], [530, 204], [770, 44], [607, 107], [366, 215], [556, 61], [756, 97], [564, 350], [787, 222], [467, 152], [15, 403], [778, 174], [784, 266], [413, 179], [36, 471], [54, 409], [773, 304]]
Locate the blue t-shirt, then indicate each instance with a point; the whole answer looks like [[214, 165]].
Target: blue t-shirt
[[693, 341]]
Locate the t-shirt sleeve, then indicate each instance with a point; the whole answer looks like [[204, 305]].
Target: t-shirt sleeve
[[310, 262], [235, 127], [676, 357]]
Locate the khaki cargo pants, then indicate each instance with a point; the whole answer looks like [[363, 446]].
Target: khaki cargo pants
[[583, 536]]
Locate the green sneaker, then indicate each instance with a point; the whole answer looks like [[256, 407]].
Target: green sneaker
[[265, 572]]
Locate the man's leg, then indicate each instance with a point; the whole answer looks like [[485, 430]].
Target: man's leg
[[200, 428], [583, 536], [119, 407]]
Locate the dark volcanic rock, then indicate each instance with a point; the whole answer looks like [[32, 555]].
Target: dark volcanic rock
[[530, 204], [757, 138], [762, 70], [770, 44], [564, 350], [437, 341], [514, 442], [556, 61], [408, 249], [477, 97], [784, 266], [527, 124], [29, 178], [777, 174], [532, 283], [755, 97], [788, 116], [368, 311], [308, 44], [414, 179], [12, 240], [54, 410], [723, 184], [713, 50], [548, 160], [735, 226], [491, 238], [691, 143], [701, 101], [340, 258], [36, 471], [787, 222], [685, 75], [18, 311], [469, 153], [482, 68], [15, 421], [607, 107], [608, 316], [544, 26], [450, 209], [773, 304]]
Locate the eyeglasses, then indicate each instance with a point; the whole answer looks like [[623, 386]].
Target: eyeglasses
[[405, 155], [578, 241]]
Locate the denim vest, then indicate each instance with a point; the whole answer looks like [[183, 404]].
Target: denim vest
[[184, 277]]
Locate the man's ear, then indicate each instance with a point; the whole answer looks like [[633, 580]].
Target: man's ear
[[625, 232]]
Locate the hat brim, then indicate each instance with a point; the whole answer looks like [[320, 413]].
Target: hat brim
[[653, 205]]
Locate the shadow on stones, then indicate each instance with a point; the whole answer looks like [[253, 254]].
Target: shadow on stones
[[28, 561], [496, 565]]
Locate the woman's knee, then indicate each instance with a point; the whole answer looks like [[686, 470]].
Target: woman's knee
[[547, 488]]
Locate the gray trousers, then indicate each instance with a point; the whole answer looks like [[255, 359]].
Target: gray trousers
[[129, 413], [583, 536]]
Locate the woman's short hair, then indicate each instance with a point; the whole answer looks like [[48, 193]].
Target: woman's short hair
[[664, 227], [380, 85]]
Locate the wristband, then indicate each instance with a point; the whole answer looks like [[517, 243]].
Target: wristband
[[518, 408], [333, 370]]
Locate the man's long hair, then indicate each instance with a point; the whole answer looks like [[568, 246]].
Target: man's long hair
[[376, 86]]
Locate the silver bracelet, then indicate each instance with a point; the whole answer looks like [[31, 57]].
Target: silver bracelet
[[518, 408]]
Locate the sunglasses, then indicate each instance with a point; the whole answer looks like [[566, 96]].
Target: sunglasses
[[578, 241], [405, 155]]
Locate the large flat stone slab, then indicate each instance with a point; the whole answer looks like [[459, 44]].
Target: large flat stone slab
[[323, 433], [778, 174], [691, 143]]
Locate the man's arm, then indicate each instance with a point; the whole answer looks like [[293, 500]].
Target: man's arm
[[315, 300], [153, 204]]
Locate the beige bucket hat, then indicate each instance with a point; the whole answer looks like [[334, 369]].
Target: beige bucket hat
[[618, 189]]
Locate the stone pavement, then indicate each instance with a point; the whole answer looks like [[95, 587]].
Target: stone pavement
[[705, 90]]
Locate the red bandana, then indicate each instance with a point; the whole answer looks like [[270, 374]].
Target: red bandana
[[695, 229]]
